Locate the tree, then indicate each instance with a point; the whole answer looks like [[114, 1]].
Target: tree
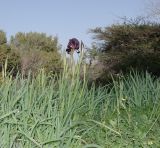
[[132, 44], [13, 59], [34, 41], [3, 38], [37, 51]]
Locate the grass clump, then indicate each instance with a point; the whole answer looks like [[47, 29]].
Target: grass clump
[[63, 112]]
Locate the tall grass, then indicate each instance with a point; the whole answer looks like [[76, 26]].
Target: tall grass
[[63, 112]]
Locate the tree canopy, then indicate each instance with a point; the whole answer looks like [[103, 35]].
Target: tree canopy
[[30, 52], [34, 41], [130, 45]]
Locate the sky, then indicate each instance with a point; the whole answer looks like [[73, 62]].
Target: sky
[[65, 18]]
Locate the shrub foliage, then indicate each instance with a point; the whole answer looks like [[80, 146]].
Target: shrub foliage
[[30, 52], [133, 44]]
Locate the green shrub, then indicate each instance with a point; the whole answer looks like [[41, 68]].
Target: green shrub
[[34, 41], [131, 45], [6, 54], [37, 51], [33, 61]]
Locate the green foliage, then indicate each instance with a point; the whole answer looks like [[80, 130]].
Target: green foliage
[[3, 38], [12, 58], [6, 54], [64, 112], [33, 61], [34, 41], [37, 51], [133, 44]]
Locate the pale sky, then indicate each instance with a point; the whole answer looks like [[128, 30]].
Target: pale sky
[[65, 18]]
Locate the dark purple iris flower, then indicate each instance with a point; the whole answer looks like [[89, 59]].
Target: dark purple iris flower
[[72, 44]]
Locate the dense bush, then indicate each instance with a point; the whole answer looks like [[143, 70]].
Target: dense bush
[[129, 45], [3, 38], [32, 61], [7, 55], [30, 52], [34, 41], [37, 50]]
